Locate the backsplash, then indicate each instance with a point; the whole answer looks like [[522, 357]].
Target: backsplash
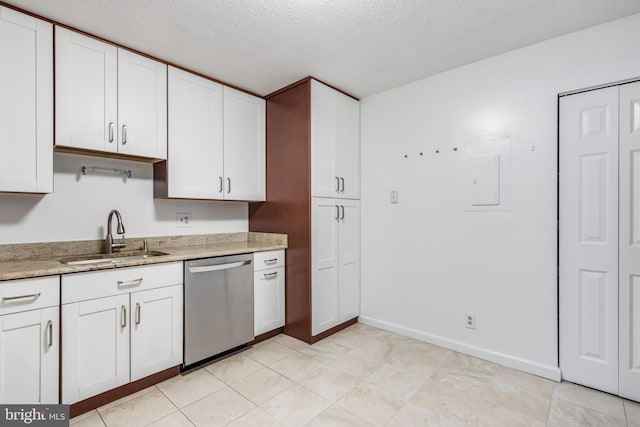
[[79, 206]]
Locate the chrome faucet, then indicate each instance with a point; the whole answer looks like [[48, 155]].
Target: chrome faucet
[[109, 246]]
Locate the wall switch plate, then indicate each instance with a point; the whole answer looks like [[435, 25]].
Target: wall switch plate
[[183, 219], [470, 321], [394, 197]]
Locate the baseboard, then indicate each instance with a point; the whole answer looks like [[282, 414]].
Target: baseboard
[[531, 367]]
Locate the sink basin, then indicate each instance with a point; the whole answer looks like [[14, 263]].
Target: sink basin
[[110, 258]]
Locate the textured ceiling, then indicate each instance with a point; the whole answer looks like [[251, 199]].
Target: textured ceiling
[[361, 46]]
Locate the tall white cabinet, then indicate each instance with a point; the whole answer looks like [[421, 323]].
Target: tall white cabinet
[[26, 104], [600, 239], [313, 191], [109, 99], [335, 214], [29, 344]]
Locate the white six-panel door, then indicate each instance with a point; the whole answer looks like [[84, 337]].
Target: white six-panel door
[[629, 283], [589, 239]]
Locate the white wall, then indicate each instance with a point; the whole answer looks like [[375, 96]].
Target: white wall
[[426, 261], [78, 208]]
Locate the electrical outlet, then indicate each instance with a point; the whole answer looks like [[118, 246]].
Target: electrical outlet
[[394, 197], [183, 219], [470, 321]]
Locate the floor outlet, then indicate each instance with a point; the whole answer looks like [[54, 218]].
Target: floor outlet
[[183, 220], [470, 321]]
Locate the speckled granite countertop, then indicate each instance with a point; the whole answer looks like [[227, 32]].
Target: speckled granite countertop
[[20, 261]]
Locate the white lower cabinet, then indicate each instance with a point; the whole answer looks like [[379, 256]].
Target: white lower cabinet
[[119, 326], [95, 346], [156, 330], [268, 282], [335, 262], [29, 344]]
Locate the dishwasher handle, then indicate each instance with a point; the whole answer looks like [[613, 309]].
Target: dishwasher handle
[[218, 267]]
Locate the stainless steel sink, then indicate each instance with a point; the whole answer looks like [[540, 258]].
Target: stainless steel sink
[[110, 258]]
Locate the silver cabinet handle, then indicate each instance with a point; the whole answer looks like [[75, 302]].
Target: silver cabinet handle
[[49, 333], [342, 215], [342, 186], [267, 275], [137, 313], [337, 212], [19, 297], [134, 282], [337, 184], [123, 316], [111, 126], [124, 134], [220, 181], [217, 267], [271, 261], [228, 185]]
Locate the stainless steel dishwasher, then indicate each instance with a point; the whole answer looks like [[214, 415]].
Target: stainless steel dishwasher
[[218, 306]]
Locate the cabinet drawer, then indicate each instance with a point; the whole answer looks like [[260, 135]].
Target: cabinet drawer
[[98, 284], [29, 294], [269, 259]]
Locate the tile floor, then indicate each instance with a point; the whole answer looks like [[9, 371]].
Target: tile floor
[[361, 376]]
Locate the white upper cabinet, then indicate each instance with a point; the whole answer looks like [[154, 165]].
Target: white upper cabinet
[[216, 142], [142, 106], [244, 145], [195, 137], [26, 103], [109, 99], [86, 92], [335, 143]]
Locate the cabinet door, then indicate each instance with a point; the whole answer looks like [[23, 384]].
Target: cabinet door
[[26, 103], [29, 357], [348, 156], [195, 137], [324, 263], [95, 346], [244, 146], [325, 180], [156, 330], [349, 260], [588, 239], [268, 297], [629, 249], [86, 92], [142, 106]]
